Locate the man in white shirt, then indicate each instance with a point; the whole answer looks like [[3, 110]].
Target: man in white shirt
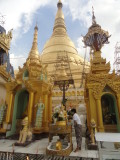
[[78, 129]]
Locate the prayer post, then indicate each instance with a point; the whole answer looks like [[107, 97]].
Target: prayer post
[[64, 85]]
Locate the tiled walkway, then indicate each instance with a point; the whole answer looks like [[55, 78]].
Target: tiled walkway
[[39, 146]]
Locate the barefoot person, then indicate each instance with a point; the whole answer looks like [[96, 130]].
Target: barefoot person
[[78, 129]]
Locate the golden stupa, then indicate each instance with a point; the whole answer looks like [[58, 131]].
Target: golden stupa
[[26, 95], [59, 50]]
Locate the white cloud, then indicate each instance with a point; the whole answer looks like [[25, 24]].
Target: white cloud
[[17, 60], [19, 14], [80, 9]]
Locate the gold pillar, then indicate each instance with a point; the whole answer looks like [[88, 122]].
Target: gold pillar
[[30, 106], [118, 101], [45, 118], [50, 108], [99, 115], [91, 112], [9, 108]]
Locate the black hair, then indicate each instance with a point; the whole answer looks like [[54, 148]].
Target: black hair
[[73, 110]]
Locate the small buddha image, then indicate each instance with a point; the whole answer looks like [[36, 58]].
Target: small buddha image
[[62, 114], [58, 145]]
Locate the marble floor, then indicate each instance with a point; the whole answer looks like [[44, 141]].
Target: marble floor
[[39, 146]]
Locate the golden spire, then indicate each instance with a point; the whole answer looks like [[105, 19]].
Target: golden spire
[[59, 20], [59, 41], [34, 53]]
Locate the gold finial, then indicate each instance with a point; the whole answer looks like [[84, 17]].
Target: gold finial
[[34, 50], [93, 16], [59, 5], [36, 27], [59, 20]]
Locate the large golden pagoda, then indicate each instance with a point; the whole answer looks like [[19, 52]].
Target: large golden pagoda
[[59, 50], [102, 89], [30, 89]]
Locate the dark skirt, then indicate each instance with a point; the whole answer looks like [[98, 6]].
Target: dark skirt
[[78, 134]]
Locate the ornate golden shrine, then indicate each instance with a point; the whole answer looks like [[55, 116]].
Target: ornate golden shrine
[[25, 91], [102, 89]]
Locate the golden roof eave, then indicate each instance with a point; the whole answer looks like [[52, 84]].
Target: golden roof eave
[[4, 73], [5, 40], [4, 47]]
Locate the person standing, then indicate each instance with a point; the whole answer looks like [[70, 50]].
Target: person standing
[[78, 129]]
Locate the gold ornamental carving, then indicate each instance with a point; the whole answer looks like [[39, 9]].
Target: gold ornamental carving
[[98, 83], [5, 40]]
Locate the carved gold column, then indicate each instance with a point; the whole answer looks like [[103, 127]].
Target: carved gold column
[[118, 101], [45, 118], [30, 109], [91, 112], [99, 115], [50, 107], [9, 108]]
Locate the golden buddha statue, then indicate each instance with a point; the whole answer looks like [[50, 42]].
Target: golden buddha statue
[[58, 145], [62, 116], [63, 113]]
